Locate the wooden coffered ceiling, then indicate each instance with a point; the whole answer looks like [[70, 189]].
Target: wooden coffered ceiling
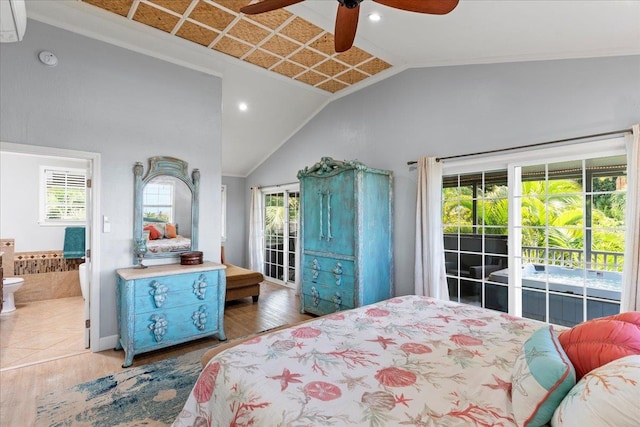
[[278, 41]]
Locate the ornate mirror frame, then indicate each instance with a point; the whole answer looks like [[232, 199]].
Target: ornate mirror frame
[[165, 166]]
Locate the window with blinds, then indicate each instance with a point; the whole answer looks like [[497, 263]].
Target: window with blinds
[[63, 195]]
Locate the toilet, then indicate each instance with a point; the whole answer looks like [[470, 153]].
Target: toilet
[[9, 286], [84, 279]]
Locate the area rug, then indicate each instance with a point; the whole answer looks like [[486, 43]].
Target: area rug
[[149, 395]]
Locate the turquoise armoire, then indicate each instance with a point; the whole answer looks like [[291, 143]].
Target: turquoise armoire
[[346, 236]]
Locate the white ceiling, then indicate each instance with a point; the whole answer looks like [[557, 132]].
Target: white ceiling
[[476, 32]]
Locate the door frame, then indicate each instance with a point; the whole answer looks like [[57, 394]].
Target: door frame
[[285, 188], [92, 304]]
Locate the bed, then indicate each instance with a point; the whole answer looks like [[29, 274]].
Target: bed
[[409, 360], [163, 237], [175, 244]]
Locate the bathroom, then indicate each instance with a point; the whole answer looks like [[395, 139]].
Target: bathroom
[[49, 316]]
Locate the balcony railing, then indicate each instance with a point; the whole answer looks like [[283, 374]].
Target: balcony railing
[[574, 258]]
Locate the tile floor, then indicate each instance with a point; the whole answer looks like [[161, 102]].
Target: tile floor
[[40, 331]]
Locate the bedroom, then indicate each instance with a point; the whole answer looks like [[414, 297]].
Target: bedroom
[[93, 98]]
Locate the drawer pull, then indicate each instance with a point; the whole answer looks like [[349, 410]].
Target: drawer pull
[[315, 295], [316, 270], [158, 326], [337, 273], [200, 318], [159, 293], [200, 286], [337, 301]]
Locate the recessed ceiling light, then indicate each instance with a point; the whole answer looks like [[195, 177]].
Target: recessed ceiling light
[[243, 106], [374, 17]]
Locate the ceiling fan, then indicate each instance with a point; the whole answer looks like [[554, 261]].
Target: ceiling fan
[[348, 11]]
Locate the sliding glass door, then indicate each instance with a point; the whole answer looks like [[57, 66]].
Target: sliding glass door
[[538, 239], [281, 234], [571, 238]]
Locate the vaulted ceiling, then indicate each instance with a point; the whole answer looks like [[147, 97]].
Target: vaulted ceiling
[[278, 41], [283, 66]]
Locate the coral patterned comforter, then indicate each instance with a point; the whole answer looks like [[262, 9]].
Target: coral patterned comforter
[[410, 360]]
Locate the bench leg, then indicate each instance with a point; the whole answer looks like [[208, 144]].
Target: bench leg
[[255, 298]]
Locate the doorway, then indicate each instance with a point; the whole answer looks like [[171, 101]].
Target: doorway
[[89, 323], [281, 212]]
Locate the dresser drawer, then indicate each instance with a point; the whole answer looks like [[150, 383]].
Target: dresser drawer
[[169, 304], [328, 271], [314, 304], [314, 292], [163, 327], [174, 291]]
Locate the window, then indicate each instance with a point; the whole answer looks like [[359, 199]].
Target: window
[[539, 235], [223, 203], [62, 195], [158, 201]]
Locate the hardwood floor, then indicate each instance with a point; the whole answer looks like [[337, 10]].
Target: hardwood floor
[[20, 387]]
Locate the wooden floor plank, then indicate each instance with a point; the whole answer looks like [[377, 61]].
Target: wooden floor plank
[[20, 387]]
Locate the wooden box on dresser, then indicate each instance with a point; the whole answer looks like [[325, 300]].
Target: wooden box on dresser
[[346, 224], [164, 305]]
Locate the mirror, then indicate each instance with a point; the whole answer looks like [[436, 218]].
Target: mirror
[[166, 207]]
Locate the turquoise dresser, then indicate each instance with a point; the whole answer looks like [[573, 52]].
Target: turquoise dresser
[[346, 236], [164, 305]]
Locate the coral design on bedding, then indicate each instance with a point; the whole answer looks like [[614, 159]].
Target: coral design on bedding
[[409, 360]]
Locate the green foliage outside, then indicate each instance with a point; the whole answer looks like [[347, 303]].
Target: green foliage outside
[[556, 203], [156, 216], [65, 204], [274, 214]]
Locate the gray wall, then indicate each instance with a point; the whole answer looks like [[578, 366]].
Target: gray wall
[[125, 106], [20, 204], [237, 218], [455, 110]]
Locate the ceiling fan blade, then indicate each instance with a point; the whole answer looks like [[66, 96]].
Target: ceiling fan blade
[[267, 6], [346, 26], [433, 7]]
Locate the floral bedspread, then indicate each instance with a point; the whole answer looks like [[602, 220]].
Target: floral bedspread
[[409, 360]]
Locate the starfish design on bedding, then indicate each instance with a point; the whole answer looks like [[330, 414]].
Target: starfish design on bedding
[[285, 378], [519, 377], [383, 341], [402, 400], [500, 385], [353, 382], [443, 317]]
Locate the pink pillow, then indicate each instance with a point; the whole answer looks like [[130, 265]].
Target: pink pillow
[[596, 342]]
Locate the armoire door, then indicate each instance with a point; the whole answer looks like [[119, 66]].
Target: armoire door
[[329, 214]]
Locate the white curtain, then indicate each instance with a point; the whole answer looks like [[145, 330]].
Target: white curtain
[[256, 231], [631, 273], [429, 271]]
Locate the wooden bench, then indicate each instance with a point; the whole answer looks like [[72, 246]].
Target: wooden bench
[[241, 282]]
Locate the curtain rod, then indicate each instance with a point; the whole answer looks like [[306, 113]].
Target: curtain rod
[[259, 187], [557, 141]]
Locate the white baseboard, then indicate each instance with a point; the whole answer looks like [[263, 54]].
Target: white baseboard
[[106, 343]]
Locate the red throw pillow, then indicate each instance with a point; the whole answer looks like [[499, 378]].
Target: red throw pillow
[[596, 342], [154, 234]]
